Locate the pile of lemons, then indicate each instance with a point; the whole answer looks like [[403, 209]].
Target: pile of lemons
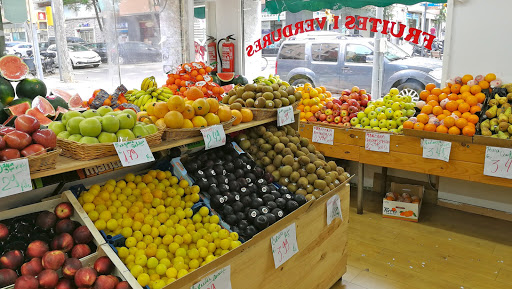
[[165, 240]]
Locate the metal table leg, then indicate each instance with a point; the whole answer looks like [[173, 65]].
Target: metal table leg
[[360, 181]]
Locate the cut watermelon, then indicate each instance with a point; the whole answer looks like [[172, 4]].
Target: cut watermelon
[[225, 76], [59, 112], [57, 101], [59, 92], [43, 105], [228, 87], [39, 115], [19, 109], [13, 68], [75, 101]]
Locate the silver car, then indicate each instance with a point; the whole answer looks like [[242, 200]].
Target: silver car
[[79, 55], [338, 62]]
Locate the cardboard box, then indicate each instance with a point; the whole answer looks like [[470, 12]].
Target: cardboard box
[[397, 210]]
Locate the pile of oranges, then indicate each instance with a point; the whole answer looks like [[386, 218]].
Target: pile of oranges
[[193, 74], [313, 98], [452, 109]]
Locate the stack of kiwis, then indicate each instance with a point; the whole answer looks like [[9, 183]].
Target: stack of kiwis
[[262, 96], [292, 161]]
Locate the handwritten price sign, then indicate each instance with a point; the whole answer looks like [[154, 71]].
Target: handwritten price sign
[[134, 152], [498, 162], [436, 149], [214, 136], [218, 280], [377, 142], [285, 115], [333, 209], [284, 245], [323, 135], [14, 177]]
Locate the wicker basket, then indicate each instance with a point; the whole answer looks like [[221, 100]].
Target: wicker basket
[[175, 134], [84, 152], [43, 162], [265, 113]]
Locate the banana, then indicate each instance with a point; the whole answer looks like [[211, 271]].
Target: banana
[[166, 95], [154, 93], [144, 84]]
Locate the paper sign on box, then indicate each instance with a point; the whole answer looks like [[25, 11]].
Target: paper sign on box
[[134, 152], [284, 245], [285, 115], [498, 162], [14, 177], [214, 136], [323, 135], [333, 209], [218, 280], [377, 142], [436, 149]]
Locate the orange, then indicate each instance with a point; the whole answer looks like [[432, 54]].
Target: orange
[[225, 114], [212, 119], [466, 115], [238, 116], [187, 123], [467, 78], [423, 118], [176, 103], [160, 109], [475, 89], [199, 121], [214, 104], [151, 108], [432, 97], [436, 91], [315, 108], [430, 127], [408, 124], [465, 95], [446, 90], [454, 130], [426, 109], [484, 84], [443, 96], [453, 96], [449, 121], [437, 110], [419, 126], [468, 130], [442, 129], [472, 100], [464, 107], [452, 105], [481, 97], [246, 115], [465, 88], [424, 94], [188, 112], [473, 119], [441, 116], [457, 113], [433, 103], [201, 106], [459, 101], [161, 123], [461, 123], [490, 77], [173, 119], [430, 86], [447, 112], [194, 93], [475, 109], [455, 88]]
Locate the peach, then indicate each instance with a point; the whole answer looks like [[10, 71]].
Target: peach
[[12, 260], [46, 220], [123, 285], [65, 284], [26, 282], [7, 277], [62, 242], [65, 226], [33, 267], [80, 251], [103, 265], [82, 235], [37, 248], [105, 282], [70, 267], [64, 210], [48, 279], [4, 232], [85, 277], [54, 260]]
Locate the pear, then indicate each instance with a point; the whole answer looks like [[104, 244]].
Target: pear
[[493, 102], [510, 118], [502, 100], [485, 124], [508, 112], [500, 111], [509, 96], [503, 126], [506, 105], [491, 112], [494, 122], [486, 132], [502, 118], [501, 135]]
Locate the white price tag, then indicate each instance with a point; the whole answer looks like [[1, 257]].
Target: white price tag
[[14, 177], [333, 209], [377, 142], [218, 280], [214, 136], [498, 162], [285, 115], [284, 245], [436, 149], [323, 135], [237, 148], [134, 152]]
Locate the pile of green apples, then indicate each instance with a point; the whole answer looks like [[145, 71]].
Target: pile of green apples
[[101, 126], [386, 114]]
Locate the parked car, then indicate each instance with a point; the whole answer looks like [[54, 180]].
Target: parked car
[[17, 48], [339, 62], [136, 52], [100, 48], [79, 55]]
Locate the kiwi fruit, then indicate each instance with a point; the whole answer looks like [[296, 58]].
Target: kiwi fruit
[[320, 156], [312, 157], [297, 94], [272, 128], [266, 88], [279, 147], [304, 150], [283, 181], [245, 144], [317, 193], [292, 147], [309, 197], [232, 99], [346, 175], [311, 148], [284, 140], [240, 91], [269, 168], [301, 192], [326, 167], [259, 87], [287, 151], [253, 150], [310, 168], [318, 164], [276, 175], [225, 99], [278, 103], [231, 93], [277, 95], [303, 182], [283, 93], [332, 165], [260, 102], [320, 173], [292, 98], [290, 90], [285, 101], [303, 160], [267, 135], [260, 155], [294, 177], [326, 190], [309, 188], [292, 187], [312, 178], [285, 171], [275, 86], [288, 160], [265, 147], [268, 95], [295, 166], [299, 154], [269, 104], [340, 170], [327, 179], [303, 172], [258, 163], [278, 160], [279, 133], [271, 154], [260, 130], [250, 87], [248, 94], [236, 106], [249, 102], [273, 140], [304, 142], [259, 94], [295, 140]]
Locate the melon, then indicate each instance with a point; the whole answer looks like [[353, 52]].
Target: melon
[[13, 68], [43, 105], [3, 114], [21, 100], [57, 101], [59, 111], [30, 88], [226, 76], [75, 101], [228, 87], [6, 91], [59, 92], [39, 115], [18, 109]]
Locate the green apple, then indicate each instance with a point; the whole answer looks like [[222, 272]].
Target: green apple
[[394, 91], [89, 140], [354, 121], [126, 121], [379, 110], [374, 122], [360, 115], [151, 128], [63, 134], [57, 127], [75, 137], [110, 123], [381, 116], [409, 105], [107, 137], [90, 127], [369, 109], [392, 124], [104, 110], [389, 103], [373, 115], [400, 128], [139, 130], [365, 121], [90, 113], [396, 106], [398, 114], [114, 113], [410, 112], [389, 113], [379, 103], [383, 123], [384, 129], [358, 126], [386, 98], [394, 130], [130, 112], [376, 128], [73, 125], [367, 127], [124, 135], [69, 115]]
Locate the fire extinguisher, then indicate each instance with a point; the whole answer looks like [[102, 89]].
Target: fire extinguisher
[[227, 54], [212, 52]]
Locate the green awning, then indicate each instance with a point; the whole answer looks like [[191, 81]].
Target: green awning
[[278, 6], [199, 12]]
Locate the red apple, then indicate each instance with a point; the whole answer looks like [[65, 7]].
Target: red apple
[[352, 109], [33, 267], [7, 277], [336, 101], [335, 113], [329, 104], [312, 119], [362, 91], [33, 149], [355, 89], [54, 260], [2, 143], [123, 285], [364, 103], [336, 106], [323, 109], [80, 251], [65, 284], [48, 279], [347, 124], [344, 113], [45, 137], [344, 106], [328, 111], [12, 259], [369, 96], [352, 115], [17, 139], [345, 98], [26, 282], [318, 114], [354, 95], [325, 121], [345, 119], [9, 154], [85, 277], [330, 118], [337, 119], [322, 117], [82, 235], [26, 123], [4, 232], [63, 242], [70, 267], [346, 92], [64, 210], [46, 220]]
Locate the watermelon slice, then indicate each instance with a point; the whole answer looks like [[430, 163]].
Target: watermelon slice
[[75, 102], [228, 87], [13, 68], [59, 92], [19, 109], [226, 76], [59, 112], [43, 105], [39, 115]]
